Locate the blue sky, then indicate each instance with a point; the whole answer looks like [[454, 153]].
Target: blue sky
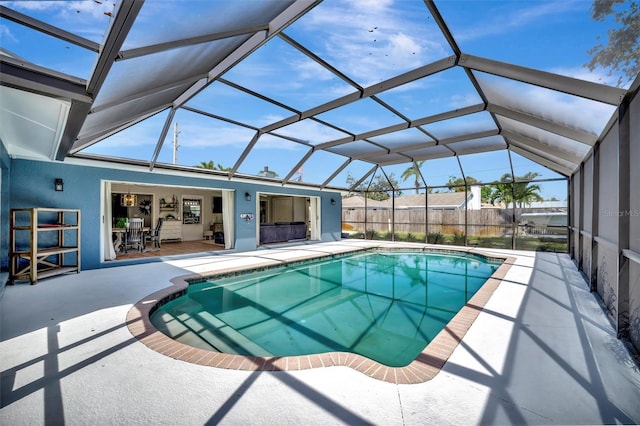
[[369, 41]]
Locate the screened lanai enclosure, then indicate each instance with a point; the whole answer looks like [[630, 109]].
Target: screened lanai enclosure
[[449, 122], [510, 214]]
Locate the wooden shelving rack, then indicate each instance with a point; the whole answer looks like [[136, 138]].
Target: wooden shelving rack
[[43, 242]]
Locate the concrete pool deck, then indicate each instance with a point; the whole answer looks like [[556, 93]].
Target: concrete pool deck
[[542, 351], [424, 366]]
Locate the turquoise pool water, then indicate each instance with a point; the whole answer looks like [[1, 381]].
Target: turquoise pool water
[[386, 306]]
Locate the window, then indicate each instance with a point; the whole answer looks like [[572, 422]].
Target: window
[[191, 211]]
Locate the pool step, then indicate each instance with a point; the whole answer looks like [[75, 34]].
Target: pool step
[[230, 341]]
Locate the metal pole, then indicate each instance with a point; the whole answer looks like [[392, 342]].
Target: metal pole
[[466, 200], [175, 143], [570, 213], [426, 213], [514, 225], [595, 216], [624, 220], [393, 215], [366, 213], [580, 214]]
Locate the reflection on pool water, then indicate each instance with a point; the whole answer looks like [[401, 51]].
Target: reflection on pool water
[[384, 305]]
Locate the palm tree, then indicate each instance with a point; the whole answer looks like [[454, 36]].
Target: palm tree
[[210, 165], [502, 192], [521, 192], [526, 192], [413, 170]]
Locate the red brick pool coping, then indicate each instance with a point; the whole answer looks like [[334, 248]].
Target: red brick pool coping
[[425, 367]]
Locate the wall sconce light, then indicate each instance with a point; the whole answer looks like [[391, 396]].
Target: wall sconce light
[[247, 196], [333, 202], [59, 185]]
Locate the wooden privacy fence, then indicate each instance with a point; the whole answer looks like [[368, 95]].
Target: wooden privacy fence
[[479, 222]]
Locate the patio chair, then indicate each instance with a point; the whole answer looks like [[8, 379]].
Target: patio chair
[[154, 235], [135, 237]]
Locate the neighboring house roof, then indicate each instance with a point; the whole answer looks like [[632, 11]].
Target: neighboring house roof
[[445, 200], [439, 200], [358, 201]]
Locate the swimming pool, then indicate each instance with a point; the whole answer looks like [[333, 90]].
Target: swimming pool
[[384, 305]]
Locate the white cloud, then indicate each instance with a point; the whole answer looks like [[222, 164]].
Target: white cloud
[[401, 43], [33, 5], [66, 9], [139, 135], [461, 101], [5, 33], [86, 18], [567, 110], [598, 75], [504, 23], [276, 145], [380, 6], [372, 40], [271, 118], [310, 131], [308, 69], [193, 135]]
